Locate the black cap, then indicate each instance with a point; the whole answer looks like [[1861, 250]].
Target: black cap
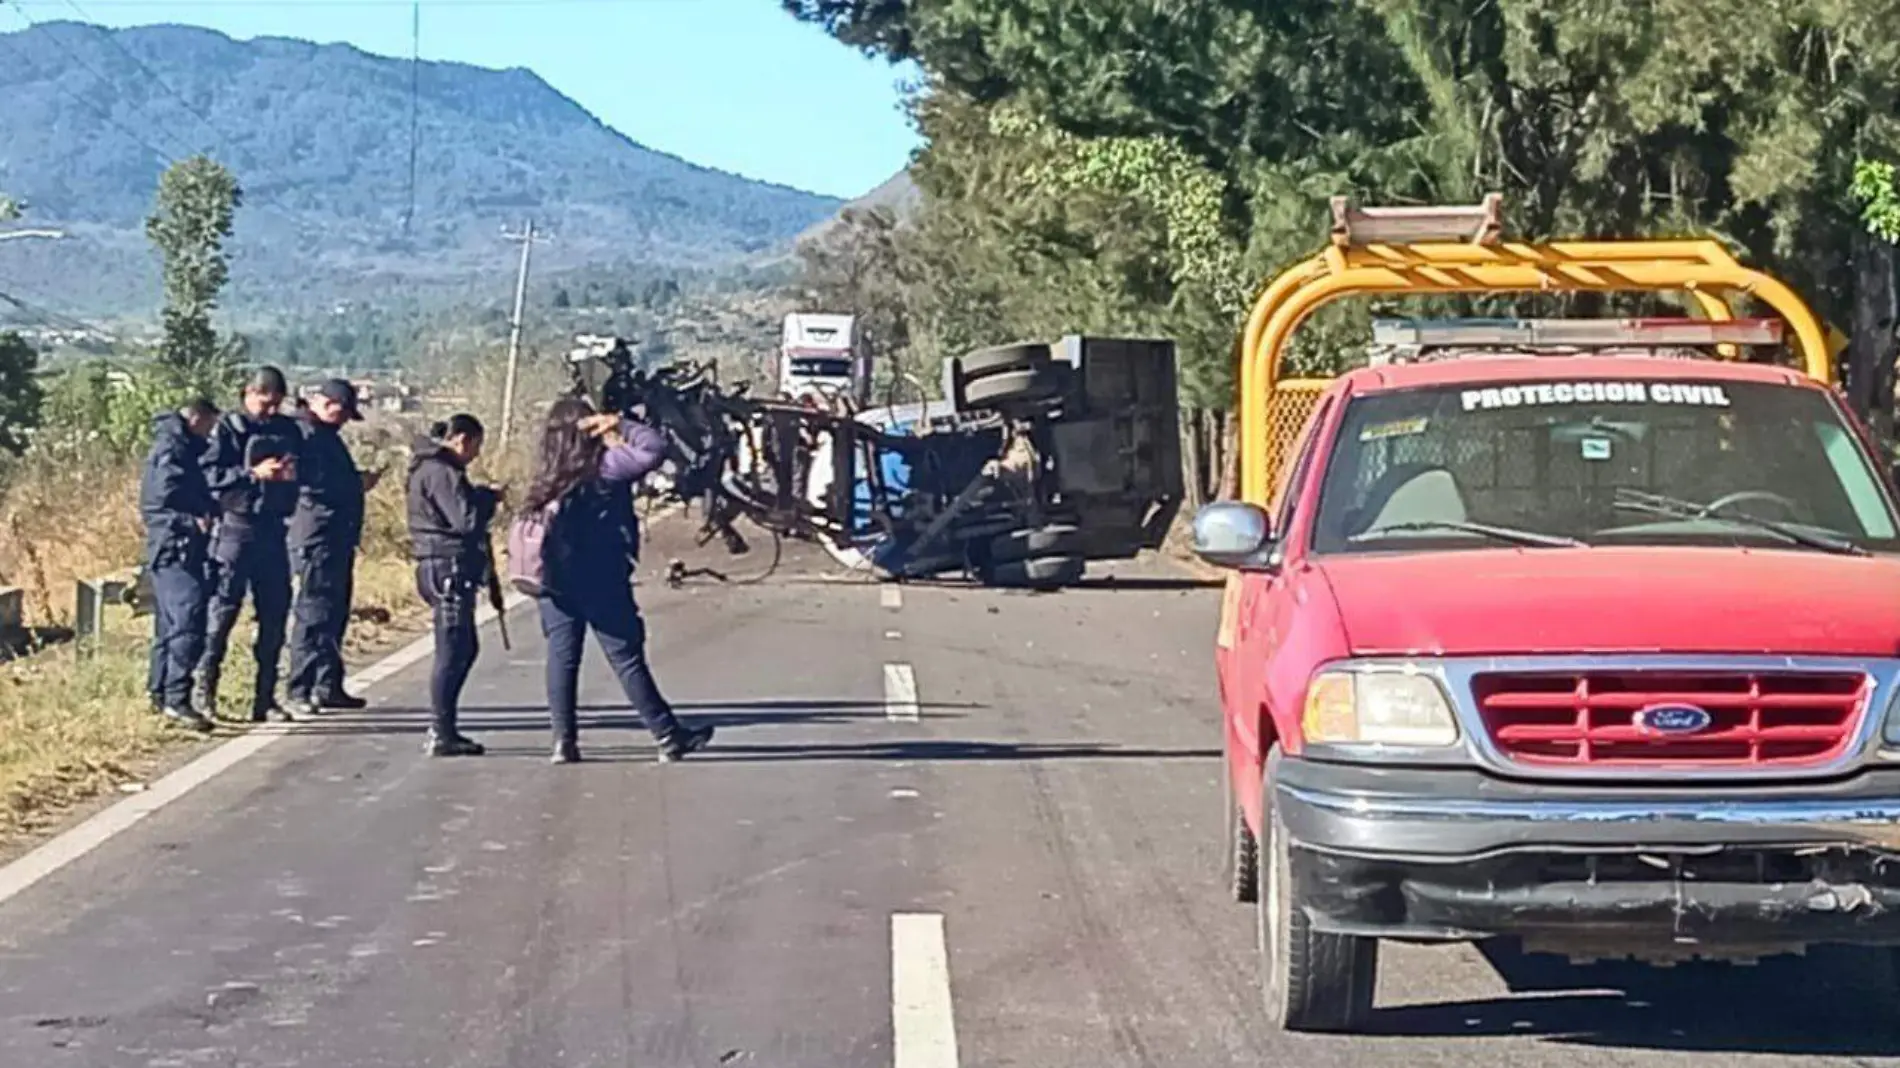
[[344, 394]]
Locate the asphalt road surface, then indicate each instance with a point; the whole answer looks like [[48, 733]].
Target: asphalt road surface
[[948, 828]]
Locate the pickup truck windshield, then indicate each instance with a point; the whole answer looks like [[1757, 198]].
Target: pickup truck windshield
[[1554, 463]]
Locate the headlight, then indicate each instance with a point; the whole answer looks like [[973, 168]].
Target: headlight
[[1378, 708], [1890, 728]]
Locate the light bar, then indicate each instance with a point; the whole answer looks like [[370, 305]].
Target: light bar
[[1478, 224], [1576, 333]]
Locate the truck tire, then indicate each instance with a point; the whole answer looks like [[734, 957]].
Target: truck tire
[[1243, 850], [1311, 980], [1056, 539], [984, 362], [1005, 388], [1038, 572]]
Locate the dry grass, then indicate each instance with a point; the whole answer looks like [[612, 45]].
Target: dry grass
[[72, 727]]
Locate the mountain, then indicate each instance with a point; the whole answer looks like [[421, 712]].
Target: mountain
[[898, 194], [319, 137]]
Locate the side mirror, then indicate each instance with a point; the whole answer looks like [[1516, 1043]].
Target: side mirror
[[1233, 534]]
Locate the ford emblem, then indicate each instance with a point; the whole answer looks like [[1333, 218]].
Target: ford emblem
[[1673, 719]]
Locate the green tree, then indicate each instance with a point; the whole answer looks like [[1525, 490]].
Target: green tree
[[197, 205], [20, 394], [561, 299], [10, 209]]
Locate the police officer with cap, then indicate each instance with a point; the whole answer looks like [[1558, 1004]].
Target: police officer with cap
[[251, 467], [324, 535], [177, 508]]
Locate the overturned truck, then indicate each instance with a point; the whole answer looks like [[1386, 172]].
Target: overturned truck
[[1041, 458]]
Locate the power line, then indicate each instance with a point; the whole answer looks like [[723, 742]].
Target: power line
[[113, 39], [415, 101]]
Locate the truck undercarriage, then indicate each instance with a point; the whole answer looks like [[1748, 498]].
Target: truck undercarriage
[[1043, 458]]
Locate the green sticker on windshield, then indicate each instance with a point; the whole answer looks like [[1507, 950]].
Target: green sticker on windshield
[[1596, 448], [1396, 429]]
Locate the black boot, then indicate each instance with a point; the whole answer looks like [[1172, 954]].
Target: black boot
[[189, 719], [452, 745], [341, 702], [684, 740], [567, 739]]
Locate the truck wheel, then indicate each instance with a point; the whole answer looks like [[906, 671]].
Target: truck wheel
[[1038, 572], [1243, 850], [984, 362], [1013, 387], [1312, 981], [1056, 539]]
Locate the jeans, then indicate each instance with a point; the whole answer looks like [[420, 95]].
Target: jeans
[[178, 629], [607, 607], [251, 560], [326, 576], [450, 592]]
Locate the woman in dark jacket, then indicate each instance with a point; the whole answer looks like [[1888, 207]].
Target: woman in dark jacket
[[584, 478], [448, 529]]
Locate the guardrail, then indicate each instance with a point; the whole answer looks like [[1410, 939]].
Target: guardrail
[[92, 597]]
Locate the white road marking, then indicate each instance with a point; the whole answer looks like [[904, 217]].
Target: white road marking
[[923, 1022], [65, 848], [900, 694], [893, 635], [890, 596]]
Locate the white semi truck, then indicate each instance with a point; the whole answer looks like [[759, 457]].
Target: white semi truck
[[819, 353]]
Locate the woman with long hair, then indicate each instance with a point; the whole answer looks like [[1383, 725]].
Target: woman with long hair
[[448, 532], [587, 466]]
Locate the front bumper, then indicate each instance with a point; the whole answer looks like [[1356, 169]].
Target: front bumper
[[1461, 854]]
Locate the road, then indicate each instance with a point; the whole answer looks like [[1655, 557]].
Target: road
[[948, 828]]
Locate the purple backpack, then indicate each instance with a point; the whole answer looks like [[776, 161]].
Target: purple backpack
[[527, 536]]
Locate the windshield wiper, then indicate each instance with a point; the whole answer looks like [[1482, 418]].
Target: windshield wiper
[[1678, 508], [1510, 534]]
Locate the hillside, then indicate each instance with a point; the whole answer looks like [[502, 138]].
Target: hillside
[[897, 194], [319, 136]]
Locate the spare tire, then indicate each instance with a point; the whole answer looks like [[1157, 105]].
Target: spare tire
[[1056, 539], [1004, 388], [1003, 358], [1038, 572]]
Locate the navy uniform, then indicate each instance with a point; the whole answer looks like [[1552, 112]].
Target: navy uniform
[[177, 508], [324, 534], [248, 551], [448, 529]]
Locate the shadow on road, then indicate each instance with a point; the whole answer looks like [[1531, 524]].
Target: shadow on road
[[503, 718], [1836, 1002], [942, 751]]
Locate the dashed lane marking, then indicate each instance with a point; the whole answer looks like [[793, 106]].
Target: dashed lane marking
[[900, 694], [65, 848], [889, 596], [923, 1021]]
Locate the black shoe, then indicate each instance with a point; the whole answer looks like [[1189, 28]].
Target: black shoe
[[189, 719], [684, 740], [453, 745], [341, 702], [566, 753], [271, 712]]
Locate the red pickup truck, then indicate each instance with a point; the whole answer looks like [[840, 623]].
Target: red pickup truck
[[1574, 640]]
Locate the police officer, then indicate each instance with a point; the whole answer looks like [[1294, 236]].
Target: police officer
[[251, 467], [448, 530], [324, 535], [177, 508]]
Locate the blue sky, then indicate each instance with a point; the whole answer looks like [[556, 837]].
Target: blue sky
[[733, 84]]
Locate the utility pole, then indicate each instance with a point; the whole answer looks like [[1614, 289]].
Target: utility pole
[[527, 237]]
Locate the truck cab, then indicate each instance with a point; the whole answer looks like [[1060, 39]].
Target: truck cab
[[818, 356], [1578, 632]]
